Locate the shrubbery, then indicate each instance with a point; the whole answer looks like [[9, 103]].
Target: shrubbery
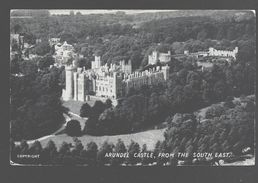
[[73, 128]]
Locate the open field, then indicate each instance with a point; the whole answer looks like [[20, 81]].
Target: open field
[[148, 137]]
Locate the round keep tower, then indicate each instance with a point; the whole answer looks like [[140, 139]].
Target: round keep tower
[[68, 92]]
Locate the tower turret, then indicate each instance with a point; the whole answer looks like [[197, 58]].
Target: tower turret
[[96, 63], [68, 92]]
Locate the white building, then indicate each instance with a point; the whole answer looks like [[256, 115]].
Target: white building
[[223, 53], [54, 41], [157, 56], [214, 53], [63, 52]]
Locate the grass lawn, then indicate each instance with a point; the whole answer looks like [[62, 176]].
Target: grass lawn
[[75, 106], [149, 138]]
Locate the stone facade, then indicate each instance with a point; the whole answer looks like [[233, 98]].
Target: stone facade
[[214, 53], [223, 53], [114, 81], [157, 56], [63, 52], [54, 41]]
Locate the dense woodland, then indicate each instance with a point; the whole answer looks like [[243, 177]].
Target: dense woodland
[[36, 109]]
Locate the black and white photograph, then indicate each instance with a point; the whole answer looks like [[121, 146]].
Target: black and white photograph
[[136, 87]]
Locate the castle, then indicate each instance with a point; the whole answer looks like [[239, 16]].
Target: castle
[[157, 56], [114, 81]]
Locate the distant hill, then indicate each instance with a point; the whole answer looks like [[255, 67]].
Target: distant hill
[[139, 18]]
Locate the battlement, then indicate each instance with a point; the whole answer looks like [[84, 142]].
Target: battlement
[[70, 67], [147, 73], [112, 81]]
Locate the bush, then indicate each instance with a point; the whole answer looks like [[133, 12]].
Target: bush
[[85, 110], [73, 128]]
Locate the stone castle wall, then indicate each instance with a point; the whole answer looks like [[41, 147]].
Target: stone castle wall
[[108, 83]]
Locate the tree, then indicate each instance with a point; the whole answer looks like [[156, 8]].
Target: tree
[[91, 153], [202, 35], [108, 103], [85, 110], [49, 153], [42, 48], [119, 148], [162, 148], [68, 37], [64, 149], [98, 108], [106, 122], [45, 61], [132, 149], [105, 149], [35, 148], [28, 68], [73, 128], [78, 147], [220, 90], [17, 29], [24, 147], [14, 65], [146, 160]]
